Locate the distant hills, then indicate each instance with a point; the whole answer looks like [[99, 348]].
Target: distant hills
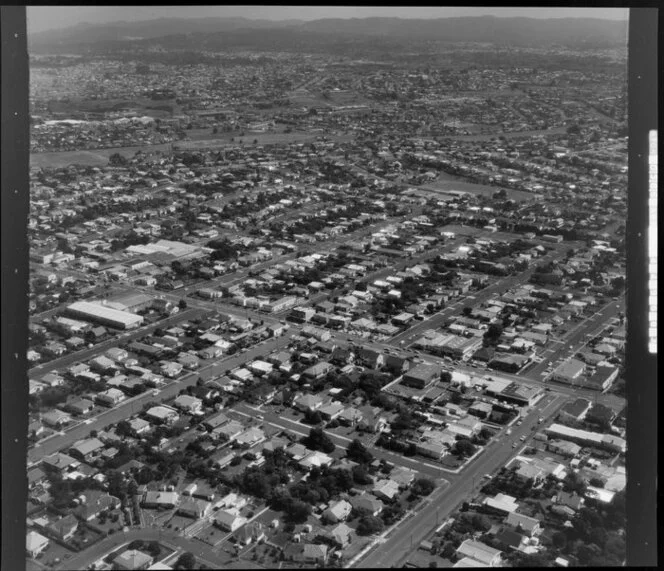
[[210, 33]]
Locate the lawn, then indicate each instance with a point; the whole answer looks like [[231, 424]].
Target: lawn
[[108, 522], [93, 157], [356, 546], [55, 553], [211, 535], [179, 522], [262, 554]]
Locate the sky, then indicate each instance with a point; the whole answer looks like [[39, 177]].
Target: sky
[[42, 18]]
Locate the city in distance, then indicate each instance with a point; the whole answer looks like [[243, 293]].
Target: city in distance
[[337, 292]]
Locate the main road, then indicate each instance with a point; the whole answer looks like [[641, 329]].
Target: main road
[[476, 298], [80, 356], [134, 405], [496, 454]]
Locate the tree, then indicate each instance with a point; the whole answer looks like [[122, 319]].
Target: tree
[[117, 160], [369, 524], [182, 304], [467, 311], [464, 448], [186, 561], [494, 331], [423, 486], [318, 440], [357, 451], [298, 511], [312, 417]]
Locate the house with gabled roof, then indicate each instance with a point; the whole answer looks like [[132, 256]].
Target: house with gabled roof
[[386, 490], [479, 551], [338, 511], [95, 503], [339, 536], [35, 543], [308, 402], [510, 539], [59, 462], [87, 449], [64, 528], [526, 524], [194, 508], [229, 521], [247, 534], [331, 411]]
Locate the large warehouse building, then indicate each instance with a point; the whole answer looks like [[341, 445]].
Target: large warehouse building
[[99, 313]]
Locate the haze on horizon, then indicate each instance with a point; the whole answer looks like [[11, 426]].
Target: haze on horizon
[[42, 18]]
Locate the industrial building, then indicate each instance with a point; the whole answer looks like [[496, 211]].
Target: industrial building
[[97, 312]]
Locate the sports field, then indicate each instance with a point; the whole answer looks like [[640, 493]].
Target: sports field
[[446, 182]]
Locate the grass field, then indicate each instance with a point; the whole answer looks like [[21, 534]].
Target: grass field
[[447, 182], [93, 158]]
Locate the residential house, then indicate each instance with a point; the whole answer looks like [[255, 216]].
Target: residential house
[[160, 499], [131, 560], [189, 404], [386, 490], [59, 462], [64, 528], [338, 511], [370, 358], [318, 371], [35, 543], [95, 503], [111, 397], [55, 418], [308, 553], [339, 536], [571, 500], [194, 508], [315, 459], [250, 533], [229, 521], [308, 402], [81, 406], [403, 476], [87, 450], [501, 504], [523, 523], [510, 539], [331, 411], [162, 414]]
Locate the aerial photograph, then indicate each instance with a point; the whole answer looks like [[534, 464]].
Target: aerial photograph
[[326, 287]]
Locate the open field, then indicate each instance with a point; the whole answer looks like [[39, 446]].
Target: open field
[[93, 157], [447, 182], [99, 157]]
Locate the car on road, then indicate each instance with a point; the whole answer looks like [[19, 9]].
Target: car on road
[[548, 389], [519, 422], [522, 438], [514, 445], [540, 420]]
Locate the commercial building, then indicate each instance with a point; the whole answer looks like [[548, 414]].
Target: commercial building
[[100, 313], [421, 375]]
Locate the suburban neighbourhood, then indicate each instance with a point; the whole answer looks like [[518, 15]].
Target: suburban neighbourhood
[[295, 308]]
